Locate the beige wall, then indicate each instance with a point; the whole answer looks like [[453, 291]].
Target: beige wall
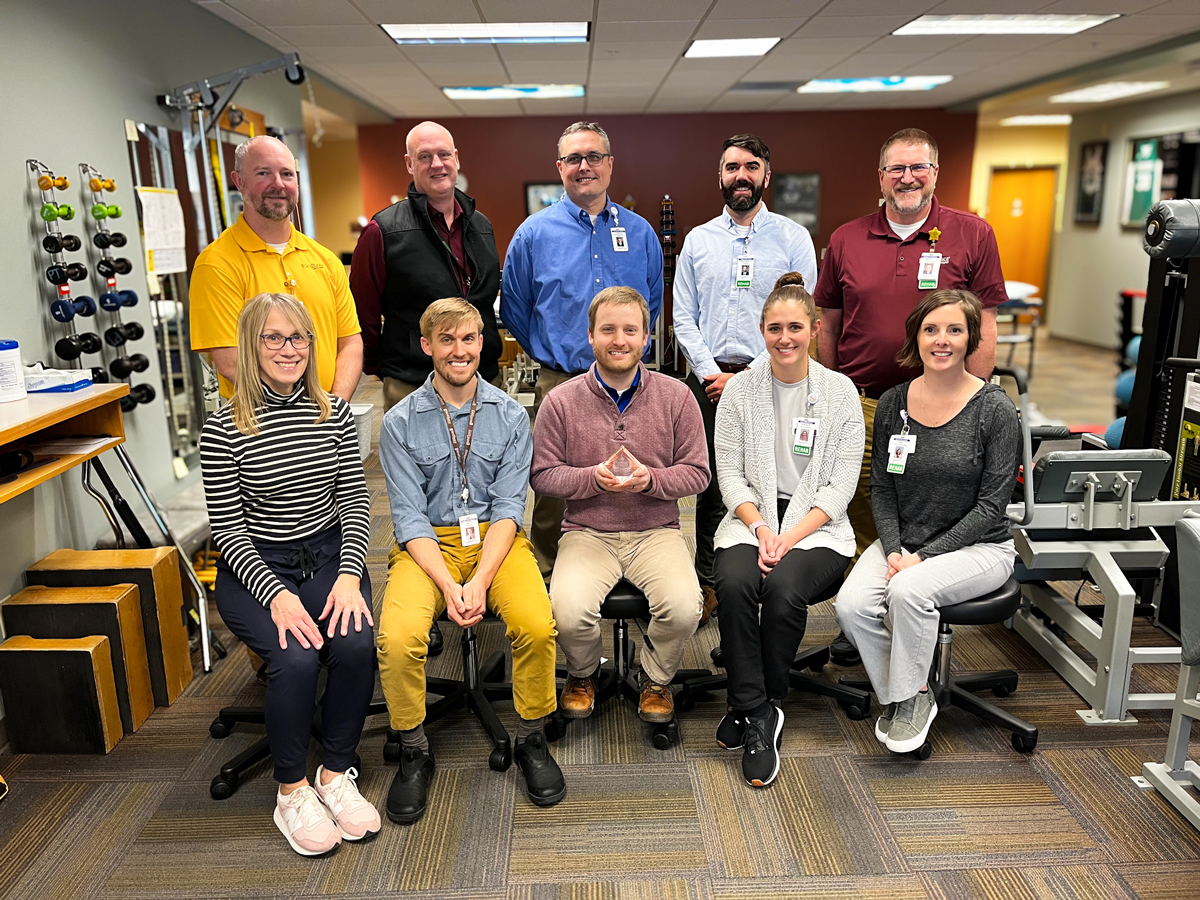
[[1015, 148], [337, 194]]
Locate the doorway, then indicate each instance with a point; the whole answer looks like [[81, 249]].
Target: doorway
[[1021, 212]]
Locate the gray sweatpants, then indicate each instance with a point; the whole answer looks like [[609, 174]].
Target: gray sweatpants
[[894, 624]]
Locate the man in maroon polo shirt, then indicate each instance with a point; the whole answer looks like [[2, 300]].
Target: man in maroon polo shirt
[[877, 268]]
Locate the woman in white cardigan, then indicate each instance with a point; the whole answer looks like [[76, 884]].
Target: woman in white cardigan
[[789, 445]]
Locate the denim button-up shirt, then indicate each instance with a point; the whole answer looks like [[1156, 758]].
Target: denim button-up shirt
[[713, 318], [424, 481]]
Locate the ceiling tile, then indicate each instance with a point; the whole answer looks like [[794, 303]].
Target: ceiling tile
[[916, 43], [490, 107], [794, 101], [636, 10], [395, 70], [338, 55], [630, 70], [450, 53], [543, 52], [536, 10], [995, 7], [865, 8], [462, 74], [549, 72], [764, 9], [870, 65], [958, 63], [298, 12], [851, 26], [1096, 7], [229, 14], [639, 49], [1152, 24], [741, 102], [748, 28], [799, 46], [793, 68], [405, 12], [1016, 43], [674, 30], [270, 38], [334, 35], [566, 106]]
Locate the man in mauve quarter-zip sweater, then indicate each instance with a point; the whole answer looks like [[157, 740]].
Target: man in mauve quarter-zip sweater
[[621, 445]]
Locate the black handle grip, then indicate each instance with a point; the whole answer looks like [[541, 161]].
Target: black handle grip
[[1017, 374], [1051, 433]]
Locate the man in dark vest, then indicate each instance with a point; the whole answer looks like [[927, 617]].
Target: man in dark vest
[[431, 245]]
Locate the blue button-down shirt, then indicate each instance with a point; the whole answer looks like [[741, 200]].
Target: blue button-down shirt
[[557, 262], [713, 318], [424, 481]]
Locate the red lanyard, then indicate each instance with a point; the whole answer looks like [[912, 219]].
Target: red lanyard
[[460, 453]]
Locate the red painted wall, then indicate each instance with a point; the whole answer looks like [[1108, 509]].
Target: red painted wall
[[676, 155]]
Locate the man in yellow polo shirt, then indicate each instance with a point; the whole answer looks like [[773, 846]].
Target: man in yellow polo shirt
[[261, 252]]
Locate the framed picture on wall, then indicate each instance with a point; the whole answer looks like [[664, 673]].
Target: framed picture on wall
[[1143, 180], [1093, 159], [797, 195], [539, 195]]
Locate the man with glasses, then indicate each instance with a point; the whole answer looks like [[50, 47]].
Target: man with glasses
[[725, 272], [559, 259], [262, 253], [430, 245], [875, 272]]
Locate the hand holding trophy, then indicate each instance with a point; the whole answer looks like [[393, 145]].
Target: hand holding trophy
[[622, 472]]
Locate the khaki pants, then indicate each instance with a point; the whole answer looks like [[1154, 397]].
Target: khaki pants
[[548, 512], [657, 562], [413, 602], [862, 519]]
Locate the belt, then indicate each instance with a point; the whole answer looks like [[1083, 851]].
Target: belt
[[731, 368], [872, 393]]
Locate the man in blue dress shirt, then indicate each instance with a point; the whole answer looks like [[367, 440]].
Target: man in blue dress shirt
[[726, 270], [558, 260]]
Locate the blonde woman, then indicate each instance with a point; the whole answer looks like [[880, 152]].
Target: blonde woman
[[289, 510]]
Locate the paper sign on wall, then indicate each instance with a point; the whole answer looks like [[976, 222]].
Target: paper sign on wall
[[163, 233]]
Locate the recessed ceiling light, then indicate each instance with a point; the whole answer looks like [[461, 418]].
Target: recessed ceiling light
[[490, 33], [1037, 120], [863, 85], [515, 92], [1031, 24], [1112, 90], [730, 47]]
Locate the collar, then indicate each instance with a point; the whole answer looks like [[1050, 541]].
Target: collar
[[458, 212], [730, 225], [880, 228], [580, 214], [247, 238], [464, 205], [425, 397], [597, 386], [276, 399], [612, 391]]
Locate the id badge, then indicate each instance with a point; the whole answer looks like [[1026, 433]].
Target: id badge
[[899, 448], [745, 272], [927, 273], [468, 530], [620, 243], [804, 432]]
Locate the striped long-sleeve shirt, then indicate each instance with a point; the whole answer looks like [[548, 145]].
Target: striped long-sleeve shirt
[[290, 481]]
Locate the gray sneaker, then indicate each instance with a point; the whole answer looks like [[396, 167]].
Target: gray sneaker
[[884, 722], [910, 724]]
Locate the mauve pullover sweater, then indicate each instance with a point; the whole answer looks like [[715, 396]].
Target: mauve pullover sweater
[[578, 427]]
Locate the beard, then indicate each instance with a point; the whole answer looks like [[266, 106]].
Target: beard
[[456, 377], [275, 213], [614, 367], [914, 201], [742, 204]]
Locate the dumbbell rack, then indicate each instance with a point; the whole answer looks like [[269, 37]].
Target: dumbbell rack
[[112, 300], [60, 273]]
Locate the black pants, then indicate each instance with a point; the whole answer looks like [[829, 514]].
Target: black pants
[[762, 619], [292, 686], [710, 508]]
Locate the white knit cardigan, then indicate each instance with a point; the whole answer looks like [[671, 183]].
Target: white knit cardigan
[[745, 449]]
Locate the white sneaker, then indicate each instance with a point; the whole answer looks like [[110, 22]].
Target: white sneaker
[[356, 818], [305, 823]]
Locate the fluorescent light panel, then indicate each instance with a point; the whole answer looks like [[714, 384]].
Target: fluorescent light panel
[[1037, 120], [705, 49], [865, 85], [515, 92], [1112, 90], [490, 33], [1029, 24]]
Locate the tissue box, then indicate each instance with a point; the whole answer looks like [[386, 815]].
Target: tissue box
[[39, 380]]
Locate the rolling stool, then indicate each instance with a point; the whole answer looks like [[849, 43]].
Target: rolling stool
[[855, 701], [949, 690]]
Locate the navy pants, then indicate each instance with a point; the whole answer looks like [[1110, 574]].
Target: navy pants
[[308, 569]]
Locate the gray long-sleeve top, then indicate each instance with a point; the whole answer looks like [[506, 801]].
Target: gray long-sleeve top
[[958, 482]]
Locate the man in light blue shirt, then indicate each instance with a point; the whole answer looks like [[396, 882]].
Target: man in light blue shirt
[[558, 260], [726, 271]]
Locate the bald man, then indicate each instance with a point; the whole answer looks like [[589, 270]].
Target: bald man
[[432, 244], [262, 252]]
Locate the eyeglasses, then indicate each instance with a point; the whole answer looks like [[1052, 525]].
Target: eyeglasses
[[916, 169], [276, 341], [425, 158], [593, 159]]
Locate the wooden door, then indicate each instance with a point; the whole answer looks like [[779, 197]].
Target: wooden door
[[1021, 212]]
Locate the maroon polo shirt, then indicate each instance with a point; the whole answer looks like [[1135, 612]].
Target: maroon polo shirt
[[452, 237], [871, 275]]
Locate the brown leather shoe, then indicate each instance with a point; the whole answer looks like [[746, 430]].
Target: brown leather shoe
[[578, 697], [710, 602], [656, 704]]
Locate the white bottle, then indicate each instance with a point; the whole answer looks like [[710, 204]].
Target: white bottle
[[12, 372]]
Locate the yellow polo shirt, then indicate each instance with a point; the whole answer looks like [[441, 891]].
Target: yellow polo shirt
[[239, 265]]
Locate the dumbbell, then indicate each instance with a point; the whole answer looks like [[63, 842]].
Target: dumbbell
[[106, 239], [109, 267], [73, 345], [106, 211], [67, 309], [119, 334], [114, 300], [57, 243], [52, 211], [99, 376], [123, 365], [60, 274], [102, 184], [46, 182], [142, 393]]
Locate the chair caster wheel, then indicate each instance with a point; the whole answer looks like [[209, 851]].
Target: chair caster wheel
[[1000, 690], [717, 657], [500, 759], [854, 712], [660, 740], [556, 728], [1023, 744], [664, 735], [686, 703], [923, 752], [392, 747], [218, 729], [815, 667], [222, 788]]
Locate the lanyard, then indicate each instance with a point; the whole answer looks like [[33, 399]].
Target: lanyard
[[460, 453], [616, 220]]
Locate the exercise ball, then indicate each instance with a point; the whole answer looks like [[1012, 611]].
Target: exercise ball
[[1133, 348], [1112, 436], [1125, 385]]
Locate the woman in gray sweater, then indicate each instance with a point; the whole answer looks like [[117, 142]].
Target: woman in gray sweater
[[939, 494]]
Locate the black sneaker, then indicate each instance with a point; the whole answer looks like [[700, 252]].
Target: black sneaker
[[436, 641], [543, 778], [731, 733], [842, 652], [406, 798], [760, 759]]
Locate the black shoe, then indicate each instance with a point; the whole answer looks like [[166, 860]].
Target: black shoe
[[436, 642], [731, 733], [543, 778], [842, 652], [406, 798], [760, 759]]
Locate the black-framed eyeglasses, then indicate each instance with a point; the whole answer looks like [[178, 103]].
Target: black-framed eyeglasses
[[593, 159], [276, 341], [916, 169]]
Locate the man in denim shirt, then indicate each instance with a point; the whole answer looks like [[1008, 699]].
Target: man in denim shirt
[[456, 453]]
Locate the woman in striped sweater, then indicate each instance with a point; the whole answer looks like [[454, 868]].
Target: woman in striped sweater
[[289, 510]]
